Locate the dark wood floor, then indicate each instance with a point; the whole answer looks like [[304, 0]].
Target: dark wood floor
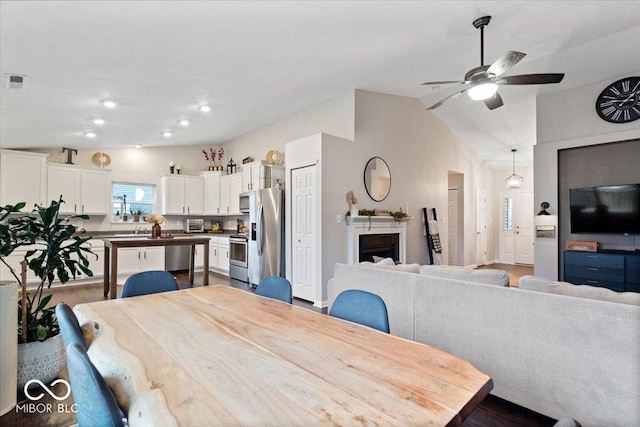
[[493, 411]]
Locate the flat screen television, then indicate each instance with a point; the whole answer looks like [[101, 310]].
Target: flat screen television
[[612, 209]]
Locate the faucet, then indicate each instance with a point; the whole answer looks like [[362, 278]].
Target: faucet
[[139, 228]]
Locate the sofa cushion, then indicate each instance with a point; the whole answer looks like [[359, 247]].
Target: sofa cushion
[[389, 264], [540, 284], [489, 277]]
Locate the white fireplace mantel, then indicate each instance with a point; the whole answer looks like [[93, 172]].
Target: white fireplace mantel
[[360, 225]]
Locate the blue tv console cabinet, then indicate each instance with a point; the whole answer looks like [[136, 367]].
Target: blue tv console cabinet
[[616, 270]]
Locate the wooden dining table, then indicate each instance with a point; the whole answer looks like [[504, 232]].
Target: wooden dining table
[[224, 356]]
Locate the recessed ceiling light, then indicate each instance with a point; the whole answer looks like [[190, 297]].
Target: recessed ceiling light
[[97, 121], [184, 123], [205, 108], [90, 134], [167, 134], [108, 103], [138, 146]]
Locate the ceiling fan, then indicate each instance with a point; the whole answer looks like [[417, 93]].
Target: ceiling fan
[[483, 80]]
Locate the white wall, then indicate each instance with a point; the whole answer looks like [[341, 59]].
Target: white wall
[[568, 119]]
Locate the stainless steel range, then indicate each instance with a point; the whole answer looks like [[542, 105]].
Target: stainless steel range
[[238, 258]]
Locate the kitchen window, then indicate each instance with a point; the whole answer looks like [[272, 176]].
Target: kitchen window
[[128, 197]]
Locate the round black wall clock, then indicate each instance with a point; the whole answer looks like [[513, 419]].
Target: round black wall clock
[[620, 101]]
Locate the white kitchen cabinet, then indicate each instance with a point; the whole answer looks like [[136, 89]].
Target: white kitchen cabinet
[[219, 254], [23, 178], [250, 176], [230, 189], [222, 253], [135, 260], [182, 195], [84, 191], [96, 265], [198, 257], [211, 193], [14, 261], [259, 175]]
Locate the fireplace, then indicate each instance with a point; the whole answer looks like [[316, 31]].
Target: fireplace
[[382, 245], [377, 235]]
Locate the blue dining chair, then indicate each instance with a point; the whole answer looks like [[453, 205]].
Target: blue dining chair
[[275, 287], [96, 405], [69, 326], [149, 282], [361, 307]]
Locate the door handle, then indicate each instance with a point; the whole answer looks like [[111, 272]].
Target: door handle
[[260, 223]]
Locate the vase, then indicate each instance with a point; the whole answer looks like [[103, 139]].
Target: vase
[[155, 230], [353, 212], [212, 168], [40, 360]]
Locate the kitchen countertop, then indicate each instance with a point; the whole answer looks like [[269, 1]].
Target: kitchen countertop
[[175, 233]]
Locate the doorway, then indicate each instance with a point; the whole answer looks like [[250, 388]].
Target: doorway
[[455, 219], [516, 228], [304, 239], [481, 227]]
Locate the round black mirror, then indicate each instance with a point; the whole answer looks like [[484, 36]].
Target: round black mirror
[[377, 179]]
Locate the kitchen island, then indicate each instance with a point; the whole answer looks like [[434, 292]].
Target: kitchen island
[[112, 244]]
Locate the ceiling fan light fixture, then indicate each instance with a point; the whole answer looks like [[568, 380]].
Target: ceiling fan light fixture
[[514, 180], [482, 91]]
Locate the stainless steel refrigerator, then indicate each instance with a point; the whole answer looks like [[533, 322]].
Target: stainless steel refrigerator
[[266, 234]]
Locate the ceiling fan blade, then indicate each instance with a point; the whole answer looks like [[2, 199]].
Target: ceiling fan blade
[[531, 79], [448, 98], [494, 102], [505, 62], [446, 82]]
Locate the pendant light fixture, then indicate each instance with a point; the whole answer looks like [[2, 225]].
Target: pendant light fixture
[[514, 181]]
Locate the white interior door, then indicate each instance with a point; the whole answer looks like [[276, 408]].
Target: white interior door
[[524, 228], [452, 227], [303, 219], [481, 227], [507, 229], [516, 231]]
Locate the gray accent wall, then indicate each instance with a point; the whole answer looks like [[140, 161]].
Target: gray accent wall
[[596, 165]]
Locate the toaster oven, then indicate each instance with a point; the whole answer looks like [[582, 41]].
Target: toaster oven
[[194, 225]]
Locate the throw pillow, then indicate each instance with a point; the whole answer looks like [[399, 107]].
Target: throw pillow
[[383, 261], [539, 284], [488, 277]]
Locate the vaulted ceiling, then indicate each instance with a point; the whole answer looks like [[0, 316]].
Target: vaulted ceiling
[[258, 61]]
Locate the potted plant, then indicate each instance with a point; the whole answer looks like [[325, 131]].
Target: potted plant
[[136, 212], [55, 251]]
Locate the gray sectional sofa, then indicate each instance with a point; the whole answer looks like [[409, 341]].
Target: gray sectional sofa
[[563, 356]]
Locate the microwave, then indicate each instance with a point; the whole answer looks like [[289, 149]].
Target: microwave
[[194, 225], [245, 202]]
